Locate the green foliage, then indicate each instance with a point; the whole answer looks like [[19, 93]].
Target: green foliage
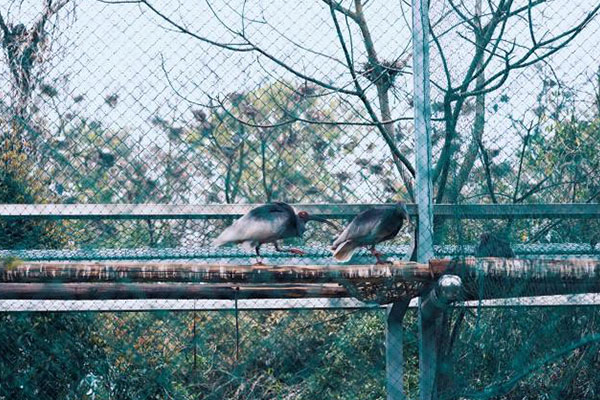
[[567, 154], [24, 233], [20, 183], [9, 263], [543, 353], [258, 153], [277, 142], [190, 355], [46, 356]]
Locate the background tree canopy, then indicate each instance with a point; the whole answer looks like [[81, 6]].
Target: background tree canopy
[[229, 102]]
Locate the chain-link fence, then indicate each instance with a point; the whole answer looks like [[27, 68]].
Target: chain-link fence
[[194, 354], [139, 131]]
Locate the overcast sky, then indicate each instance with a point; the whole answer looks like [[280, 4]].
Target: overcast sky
[[107, 49], [119, 48]]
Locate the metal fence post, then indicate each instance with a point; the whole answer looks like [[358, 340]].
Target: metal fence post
[[431, 308], [394, 356], [421, 99], [428, 331]]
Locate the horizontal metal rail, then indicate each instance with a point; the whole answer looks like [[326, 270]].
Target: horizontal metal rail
[[346, 303], [141, 305], [221, 211], [315, 255]]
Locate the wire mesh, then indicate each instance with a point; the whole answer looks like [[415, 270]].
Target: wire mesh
[[195, 354], [224, 103]]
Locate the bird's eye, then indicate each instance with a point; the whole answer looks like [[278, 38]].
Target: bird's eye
[[303, 214]]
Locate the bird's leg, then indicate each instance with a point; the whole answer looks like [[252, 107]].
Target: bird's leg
[[258, 258], [293, 251], [378, 256], [375, 252]]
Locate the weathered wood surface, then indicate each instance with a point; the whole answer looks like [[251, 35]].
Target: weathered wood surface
[[488, 278], [102, 291], [482, 278], [190, 271], [571, 269], [107, 271], [220, 211]]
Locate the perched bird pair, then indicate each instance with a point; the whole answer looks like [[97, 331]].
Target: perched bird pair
[[275, 221]]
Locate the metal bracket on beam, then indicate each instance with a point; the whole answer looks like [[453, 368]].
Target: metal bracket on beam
[[431, 307], [446, 290], [394, 354]]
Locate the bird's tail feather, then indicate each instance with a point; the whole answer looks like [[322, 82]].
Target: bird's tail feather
[[223, 238], [218, 242], [344, 251]]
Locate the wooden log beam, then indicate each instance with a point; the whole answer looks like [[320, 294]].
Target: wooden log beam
[[488, 278], [484, 278], [105, 291], [190, 271], [571, 269], [110, 271]]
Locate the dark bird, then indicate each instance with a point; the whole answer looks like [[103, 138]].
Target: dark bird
[[491, 245], [594, 240], [268, 224], [368, 228]]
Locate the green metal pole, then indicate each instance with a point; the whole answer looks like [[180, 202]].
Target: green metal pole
[[428, 328]]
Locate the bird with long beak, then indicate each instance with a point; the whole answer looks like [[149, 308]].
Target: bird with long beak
[[494, 245], [268, 224], [369, 228]]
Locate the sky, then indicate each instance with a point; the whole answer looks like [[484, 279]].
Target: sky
[[124, 49]]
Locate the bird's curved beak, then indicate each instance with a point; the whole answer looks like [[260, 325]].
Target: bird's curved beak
[[323, 220]]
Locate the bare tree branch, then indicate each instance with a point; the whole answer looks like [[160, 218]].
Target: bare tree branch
[[297, 119], [338, 7], [245, 46], [526, 60], [455, 96], [471, 155], [389, 141], [436, 41], [483, 37]]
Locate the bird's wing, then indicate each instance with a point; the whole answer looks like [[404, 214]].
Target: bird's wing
[[261, 224], [493, 246], [389, 225], [266, 211], [363, 227]]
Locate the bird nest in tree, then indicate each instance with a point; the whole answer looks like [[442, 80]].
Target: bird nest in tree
[[383, 73]]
